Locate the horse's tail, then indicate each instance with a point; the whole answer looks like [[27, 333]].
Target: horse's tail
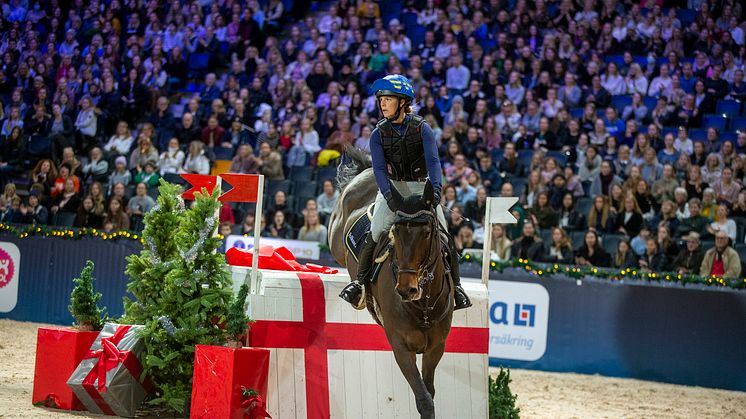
[[353, 163]]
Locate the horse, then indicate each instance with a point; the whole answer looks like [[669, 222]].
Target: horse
[[412, 294]]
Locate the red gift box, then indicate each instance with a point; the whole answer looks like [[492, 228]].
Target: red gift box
[[221, 374], [59, 350]]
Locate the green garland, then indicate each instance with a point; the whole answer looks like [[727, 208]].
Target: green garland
[[67, 233], [578, 272]]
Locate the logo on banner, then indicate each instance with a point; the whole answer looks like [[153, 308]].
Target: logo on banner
[[10, 258], [519, 317]]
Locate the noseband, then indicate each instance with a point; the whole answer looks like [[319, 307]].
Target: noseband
[[425, 272]]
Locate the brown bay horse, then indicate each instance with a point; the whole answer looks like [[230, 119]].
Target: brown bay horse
[[412, 296]]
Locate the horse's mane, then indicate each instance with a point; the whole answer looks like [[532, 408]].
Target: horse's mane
[[357, 160]]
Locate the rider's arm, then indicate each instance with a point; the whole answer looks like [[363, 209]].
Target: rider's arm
[[379, 162], [431, 157]]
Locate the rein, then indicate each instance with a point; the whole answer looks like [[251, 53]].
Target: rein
[[426, 275]]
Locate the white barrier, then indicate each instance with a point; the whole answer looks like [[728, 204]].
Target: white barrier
[[331, 361]]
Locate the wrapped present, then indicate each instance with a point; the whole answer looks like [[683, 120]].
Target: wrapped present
[[229, 383], [58, 351], [108, 378]]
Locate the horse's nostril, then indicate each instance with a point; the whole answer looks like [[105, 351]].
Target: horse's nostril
[[412, 291]]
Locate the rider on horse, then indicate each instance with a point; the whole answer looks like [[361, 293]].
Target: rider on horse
[[404, 156]]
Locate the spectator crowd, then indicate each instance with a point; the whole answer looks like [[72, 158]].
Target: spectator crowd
[[620, 125]]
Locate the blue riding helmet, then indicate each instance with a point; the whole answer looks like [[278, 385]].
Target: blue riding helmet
[[393, 85]]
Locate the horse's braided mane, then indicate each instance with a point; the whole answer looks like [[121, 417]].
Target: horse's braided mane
[[357, 160]]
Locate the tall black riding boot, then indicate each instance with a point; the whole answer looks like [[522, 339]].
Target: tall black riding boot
[[461, 299], [354, 290]]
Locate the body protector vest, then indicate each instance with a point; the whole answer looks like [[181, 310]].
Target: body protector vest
[[404, 153]]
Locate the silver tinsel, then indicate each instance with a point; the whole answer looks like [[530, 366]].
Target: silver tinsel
[[167, 324], [207, 231], [153, 254]]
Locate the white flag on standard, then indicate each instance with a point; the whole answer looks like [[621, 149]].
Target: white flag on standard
[[499, 210]]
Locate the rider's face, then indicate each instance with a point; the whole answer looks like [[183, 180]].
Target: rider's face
[[389, 105]]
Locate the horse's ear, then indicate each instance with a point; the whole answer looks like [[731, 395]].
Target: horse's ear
[[428, 196]]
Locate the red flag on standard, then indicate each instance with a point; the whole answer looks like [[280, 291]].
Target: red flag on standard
[[245, 188], [198, 182]]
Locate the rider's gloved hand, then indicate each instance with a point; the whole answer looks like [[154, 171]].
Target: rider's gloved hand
[[392, 202]]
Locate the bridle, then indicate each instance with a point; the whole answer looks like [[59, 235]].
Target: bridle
[[426, 272]]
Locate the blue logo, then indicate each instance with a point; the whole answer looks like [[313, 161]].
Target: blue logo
[[522, 315]]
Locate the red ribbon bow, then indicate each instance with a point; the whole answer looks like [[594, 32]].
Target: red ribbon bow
[[254, 407], [109, 356]]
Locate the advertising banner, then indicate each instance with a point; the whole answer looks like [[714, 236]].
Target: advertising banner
[[519, 319], [301, 249], [10, 262]]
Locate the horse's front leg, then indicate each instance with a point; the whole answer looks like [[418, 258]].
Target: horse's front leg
[[430, 360], [407, 362]]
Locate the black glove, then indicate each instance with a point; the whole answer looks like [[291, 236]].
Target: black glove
[[392, 202]]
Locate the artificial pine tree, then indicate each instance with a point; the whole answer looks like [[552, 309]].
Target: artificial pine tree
[[147, 270], [84, 302], [237, 324], [502, 400], [183, 293]]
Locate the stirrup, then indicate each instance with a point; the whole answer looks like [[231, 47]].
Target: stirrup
[[461, 300], [354, 293]]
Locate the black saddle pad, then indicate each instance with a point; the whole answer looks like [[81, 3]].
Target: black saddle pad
[[355, 236]]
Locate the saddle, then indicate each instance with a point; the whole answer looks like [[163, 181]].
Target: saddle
[[355, 236]]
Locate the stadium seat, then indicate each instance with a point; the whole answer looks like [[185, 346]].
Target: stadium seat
[[583, 205], [686, 16], [408, 19], [620, 101], [301, 173], [525, 156], [741, 249], [741, 229], [714, 121], [326, 173], [616, 59], [610, 242], [698, 134], [728, 135], [198, 64], [669, 130], [738, 124], [728, 108], [64, 219], [577, 238], [416, 34], [576, 113], [304, 188], [650, 102], [519, 185], [278, 185], [497, 154], [559, 156], [546, 235]]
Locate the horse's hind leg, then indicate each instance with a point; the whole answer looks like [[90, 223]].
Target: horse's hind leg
[[430, 360], [407, 362]]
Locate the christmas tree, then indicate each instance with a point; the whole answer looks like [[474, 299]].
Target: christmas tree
[[237, 324], [183, 291], [84, 302], [148, 269]]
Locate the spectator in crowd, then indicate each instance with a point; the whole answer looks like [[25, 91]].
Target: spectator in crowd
[[624, 258], [529, 246], [121, 142], [270, 162], [722, 260], [115, 217], [196, 161], [171, 160], [328, 197], [148, 176], [560, 249], [68, 200], [312, 229], [145, 152], [542, 214], [590, 253], [278, 229], [600, 217], [34, 212], [666, 242], [689, 259], [97, 167], [86, 216], [723, 223], [653, 259], [501, 244]]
